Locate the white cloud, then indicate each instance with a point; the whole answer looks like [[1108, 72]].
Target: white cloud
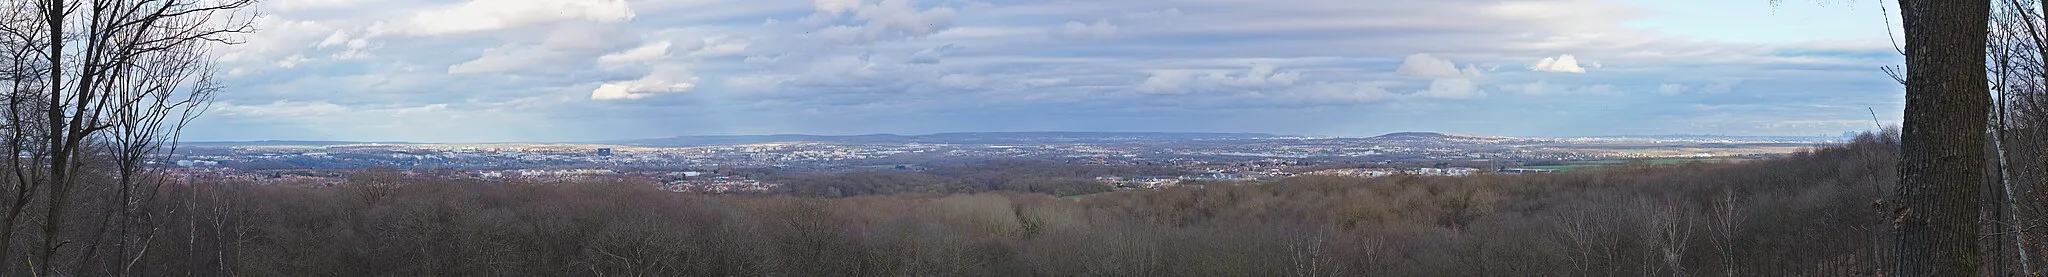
[[508, 58], [1427, 66], [1560, 64], [485, 15], [720, 47], [932, 55], [354, 49], [835, 6], [661, 81], [865, 22], [1257, 77], [1024, 57], [1101, 29], [1452, 88], [644, 53], [340, 37], [280, 37], [590, 37], [903, 16], [280, 108], [292, 61], [306, 5], [1165, 82]]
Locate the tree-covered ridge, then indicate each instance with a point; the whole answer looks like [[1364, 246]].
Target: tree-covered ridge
[[1803, 215]]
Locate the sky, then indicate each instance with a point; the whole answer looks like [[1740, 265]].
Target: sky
[[594, 70]]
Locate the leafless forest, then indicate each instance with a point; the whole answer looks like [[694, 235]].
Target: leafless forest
[[1810, 214], [97, 90]]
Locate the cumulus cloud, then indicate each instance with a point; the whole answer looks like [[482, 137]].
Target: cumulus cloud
[[1101, 29], [933, 55], [1257, 77], [1254, 57], [1560, 64], [485, 15], [1452, 88], [1165, 82], [1425, 65], [661, 81]]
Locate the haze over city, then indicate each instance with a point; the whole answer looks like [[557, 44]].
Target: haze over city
[[532, 70]]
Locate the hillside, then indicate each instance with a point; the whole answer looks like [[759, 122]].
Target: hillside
[[1797, 215], [963, 137]]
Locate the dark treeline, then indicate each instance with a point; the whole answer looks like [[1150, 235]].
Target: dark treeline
[[1806, 214]]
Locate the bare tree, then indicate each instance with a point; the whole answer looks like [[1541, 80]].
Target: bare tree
[[1935, 215], [1726, 222], [122, 74], [2016, 55]]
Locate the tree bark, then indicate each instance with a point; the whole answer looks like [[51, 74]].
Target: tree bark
[[1942, 148]]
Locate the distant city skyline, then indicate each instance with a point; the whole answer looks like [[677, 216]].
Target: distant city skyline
[[640, 140], [593, 70]]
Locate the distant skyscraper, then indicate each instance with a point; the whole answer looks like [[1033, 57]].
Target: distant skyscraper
[[604, 152]]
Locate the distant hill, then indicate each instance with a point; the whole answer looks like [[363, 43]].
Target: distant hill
[[962, 137], [1802, 139], [1413, 135]]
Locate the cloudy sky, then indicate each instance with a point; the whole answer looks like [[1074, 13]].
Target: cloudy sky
[[580, 70]]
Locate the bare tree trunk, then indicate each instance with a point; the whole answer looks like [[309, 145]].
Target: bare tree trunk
[[1936, 217]]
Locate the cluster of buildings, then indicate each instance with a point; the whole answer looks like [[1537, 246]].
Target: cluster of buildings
[[1138, 182], [1379, 172], [1167, 182], [679, 181], [720, 184], [1220, 159], [830, 156]]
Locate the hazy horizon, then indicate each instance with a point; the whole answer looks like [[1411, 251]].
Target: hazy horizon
[[995, 132], [520, 70]]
